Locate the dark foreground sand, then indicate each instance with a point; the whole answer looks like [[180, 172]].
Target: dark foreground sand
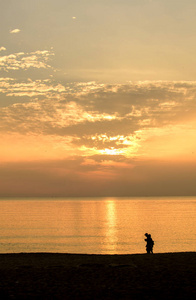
[[77, 276]]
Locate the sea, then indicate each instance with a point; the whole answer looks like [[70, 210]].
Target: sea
[[97, 225]]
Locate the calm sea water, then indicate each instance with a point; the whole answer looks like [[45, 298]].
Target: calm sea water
[[97, 225]]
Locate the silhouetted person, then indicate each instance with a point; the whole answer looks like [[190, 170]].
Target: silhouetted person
[[149, 243]]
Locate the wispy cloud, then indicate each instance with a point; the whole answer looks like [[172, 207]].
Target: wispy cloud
[[17, 61], [15, 30], [46, 88], [2, 48]]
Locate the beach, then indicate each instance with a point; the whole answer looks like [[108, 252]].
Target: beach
[[84, 276]]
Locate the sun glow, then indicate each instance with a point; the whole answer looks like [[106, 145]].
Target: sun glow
[[111, 151]]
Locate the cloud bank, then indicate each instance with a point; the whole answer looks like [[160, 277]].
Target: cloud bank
[[101, 117], [88, 138]]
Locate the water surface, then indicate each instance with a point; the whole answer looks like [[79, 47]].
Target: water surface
[[97, 225]]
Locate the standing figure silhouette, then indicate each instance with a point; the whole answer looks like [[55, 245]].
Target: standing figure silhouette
[[149, 243]]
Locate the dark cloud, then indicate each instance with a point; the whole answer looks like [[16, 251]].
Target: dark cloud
[[75, 178]]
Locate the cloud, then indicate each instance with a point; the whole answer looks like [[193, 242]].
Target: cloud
[[78, 177], [132, 120], [15, 30], [2, 49], [23, 61], [39, 88]]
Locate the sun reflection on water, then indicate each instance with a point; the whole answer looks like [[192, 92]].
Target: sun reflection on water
[[111, 237]]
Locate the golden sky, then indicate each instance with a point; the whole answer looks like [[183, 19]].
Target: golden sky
[[97, 98]]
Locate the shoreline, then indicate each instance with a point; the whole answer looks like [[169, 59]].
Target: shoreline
[[98, 276]]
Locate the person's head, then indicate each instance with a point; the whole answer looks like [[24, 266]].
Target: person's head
[[146, 234]]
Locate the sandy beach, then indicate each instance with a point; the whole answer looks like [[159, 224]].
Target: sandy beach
[[80, 276]]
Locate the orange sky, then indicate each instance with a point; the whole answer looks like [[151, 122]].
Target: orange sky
[[97, 103]]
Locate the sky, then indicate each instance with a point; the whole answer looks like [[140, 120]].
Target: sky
[[97, 98]]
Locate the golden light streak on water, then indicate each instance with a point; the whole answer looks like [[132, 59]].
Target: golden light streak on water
[[111, 237]]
